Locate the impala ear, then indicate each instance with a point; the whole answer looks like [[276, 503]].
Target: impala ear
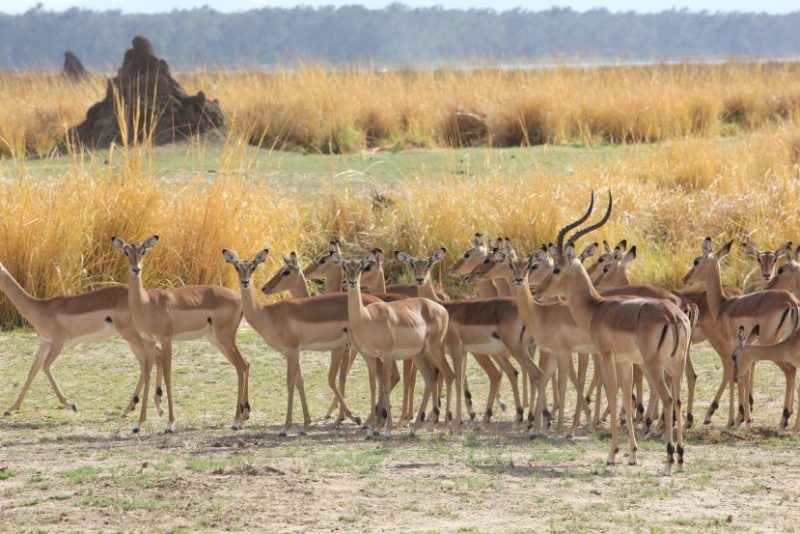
[[540, 255], [378, 256], [292, 260], [533, 259], [402, 257], [622, 245], [629, 256], [150, 242], [478, 241], [334, 246], [588, 252], [500, 257], [707, 247], [438, 255], [117, 242], [552, 250], [229, 256], [785, 249], [724, 250], [336, 257], [606, 247], [750, 250], [261, 257]]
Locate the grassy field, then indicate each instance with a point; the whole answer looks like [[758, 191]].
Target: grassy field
[[84, 471]]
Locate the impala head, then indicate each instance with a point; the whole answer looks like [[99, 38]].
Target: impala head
[[615, 272], [351, 269], [492, 266], [503, 244], [286, 276], [521, 268], [472, 257], [421, 265], [243, 268], [609, 255], [788, 275], [373, 271], [567, 259], [766, 259], [701, 264], [135, 252], [324, 267]]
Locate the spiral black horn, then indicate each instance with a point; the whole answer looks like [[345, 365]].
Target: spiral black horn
[[582, 232], [574, 224]]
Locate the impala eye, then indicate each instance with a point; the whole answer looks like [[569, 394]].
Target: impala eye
[[556, 271], [780, 270], [322, 261], [285, 273], [466, 255], [367, 268], [696, 263], [600, 260], [605, 270]]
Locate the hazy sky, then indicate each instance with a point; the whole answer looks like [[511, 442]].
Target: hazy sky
[[150, 6]]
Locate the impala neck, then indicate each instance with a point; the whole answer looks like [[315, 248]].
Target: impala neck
[[504, 288], [486, 288], [299, 288], [582, 297], [138, 297], [333, 284], [380, 284], [714, 292], [250, 304], [356, 311], [27, 305], [526, 306], [426, 290]]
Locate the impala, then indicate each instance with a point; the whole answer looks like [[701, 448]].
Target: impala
[[651, 333], [84, 318], [486, 326], [766, 259], [412, 328], [772, 313], [167, 315]]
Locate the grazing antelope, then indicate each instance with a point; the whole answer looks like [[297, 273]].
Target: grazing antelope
[[84, 318], [786, 351], [485, 326], [625, 330], [167, 315], [412, 328], [772, 313]]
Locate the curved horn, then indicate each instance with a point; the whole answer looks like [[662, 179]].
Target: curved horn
[[582, 232], [574, 224]]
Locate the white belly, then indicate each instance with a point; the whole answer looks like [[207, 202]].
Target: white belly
[[105, 332], [493, 346], [192, 334]]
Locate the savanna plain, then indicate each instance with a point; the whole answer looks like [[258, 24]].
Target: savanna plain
[[397, 160]]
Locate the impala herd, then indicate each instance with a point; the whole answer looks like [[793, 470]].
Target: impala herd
[[549, 300]]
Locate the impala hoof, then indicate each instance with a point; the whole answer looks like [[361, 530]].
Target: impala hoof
[[73, 408], [168, 431], [135, 430], [282, 434]]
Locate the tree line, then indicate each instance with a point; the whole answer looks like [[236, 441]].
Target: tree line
[[394, 36]]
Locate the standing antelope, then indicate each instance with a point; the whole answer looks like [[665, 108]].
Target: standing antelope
[[412, 328], [772, 313], [292, 325], [624, 330], [486, 326], [84, 318], [766, 259], [167, 315]]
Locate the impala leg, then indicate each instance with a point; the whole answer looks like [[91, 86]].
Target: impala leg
[[525, 395], [656, 379], [428, 372], [750, 386], [52, 354], [597, 385], [166, 363], [36, 366], [625, 374], [742, 387], [691, 381], [459, 361], [676, 395], [580, 383], [159, 391], [541, 396], [301, 389], [609, 378], [225, 342], [796, 427], [386, 397], [496, 358], [292, 367], [406, 414], [638, 381], [554, 386], [564, 362], [727, 374], [337, 357], [512, 375], [494, 374], [145, 356], [373, 372], [790, 372]]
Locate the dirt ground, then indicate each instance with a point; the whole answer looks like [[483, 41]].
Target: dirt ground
[[64, 471]]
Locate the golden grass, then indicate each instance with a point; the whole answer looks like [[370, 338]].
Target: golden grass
[[315, 109], [56, 235]]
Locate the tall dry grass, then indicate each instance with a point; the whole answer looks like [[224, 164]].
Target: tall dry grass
[[56, 235], [312, 108]]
